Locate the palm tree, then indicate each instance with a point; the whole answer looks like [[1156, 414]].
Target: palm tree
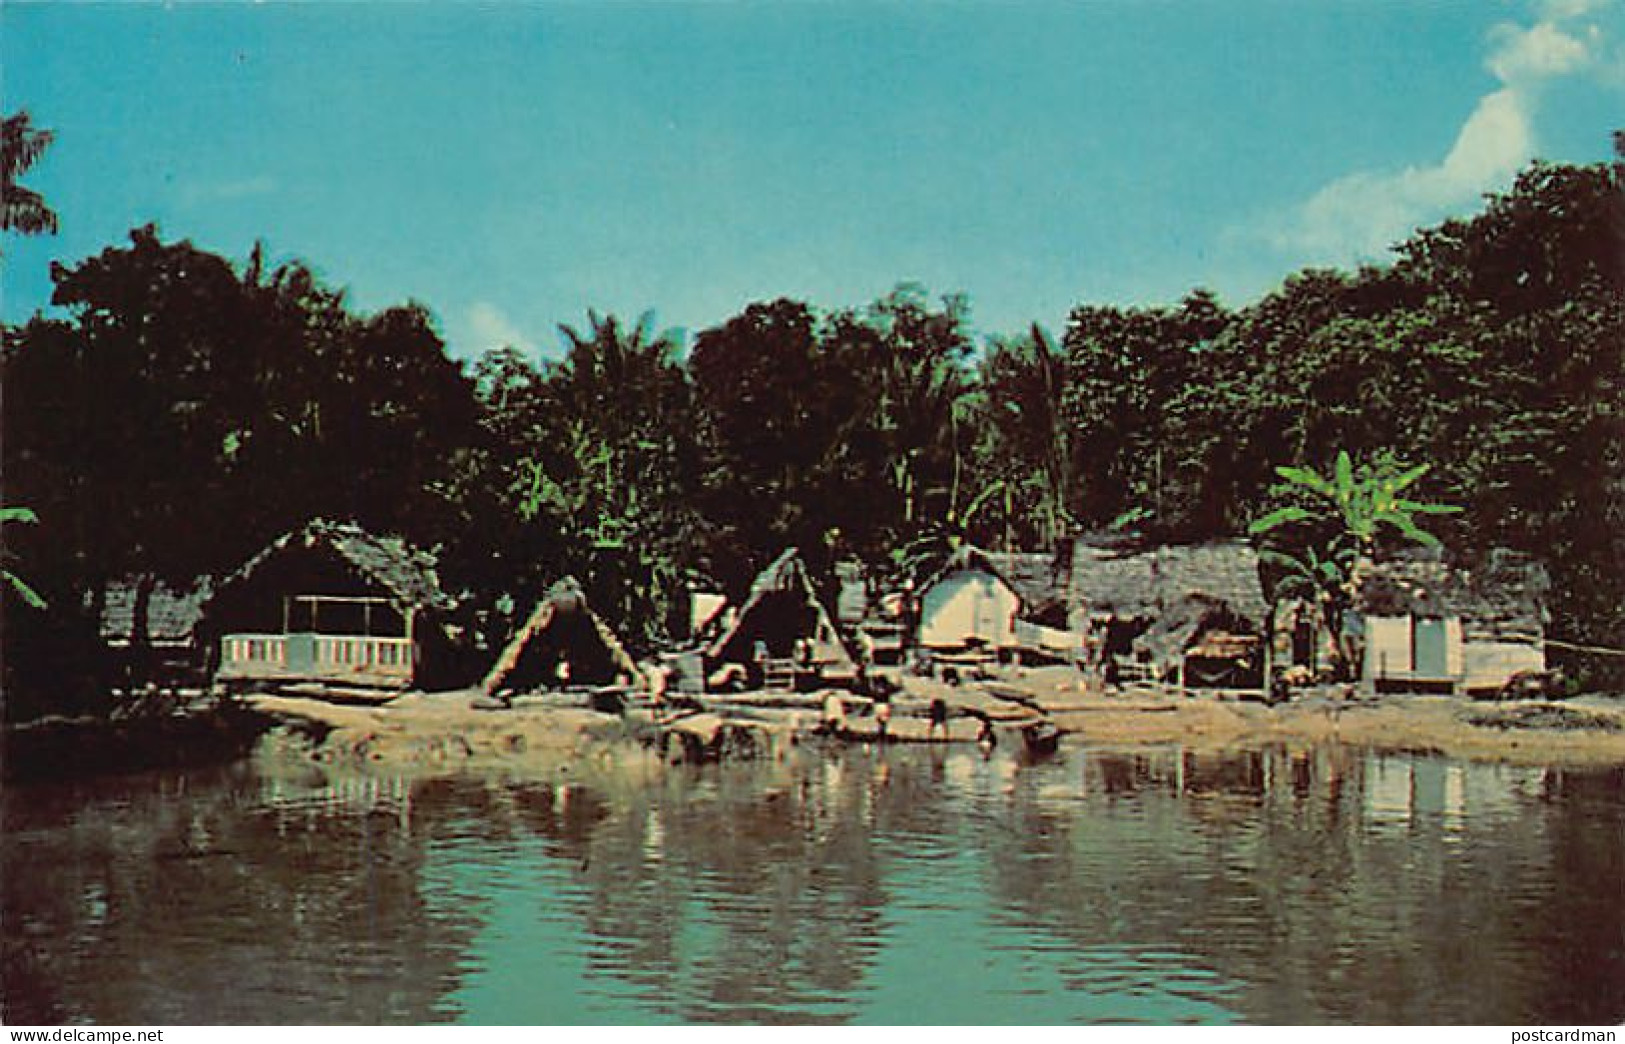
[[605, 464], [21, 145], [1023, 382]]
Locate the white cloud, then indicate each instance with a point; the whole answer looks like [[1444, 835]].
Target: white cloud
[[1528, 55], [489, 327], [1362, 214], [1358, 216]]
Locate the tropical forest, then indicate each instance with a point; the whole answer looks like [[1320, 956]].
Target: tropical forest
[[178, 409]]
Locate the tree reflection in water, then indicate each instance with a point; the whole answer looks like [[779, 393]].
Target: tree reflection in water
[[881, 886]]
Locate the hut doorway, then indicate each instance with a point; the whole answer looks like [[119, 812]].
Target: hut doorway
[[1429, 658]]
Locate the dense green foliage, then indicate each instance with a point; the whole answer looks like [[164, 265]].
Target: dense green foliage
[[189, 409]]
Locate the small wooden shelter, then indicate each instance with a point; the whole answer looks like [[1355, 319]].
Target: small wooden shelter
[[1433, 626], [333, 604], [782, 622], [562, 629]]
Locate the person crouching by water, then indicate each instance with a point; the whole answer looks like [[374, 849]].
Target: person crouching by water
[[939, 718], [659, 678], [834, 714], [985, 737]]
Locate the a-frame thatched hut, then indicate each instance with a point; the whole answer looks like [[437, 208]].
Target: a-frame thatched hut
[[562, 629], [783, 616]]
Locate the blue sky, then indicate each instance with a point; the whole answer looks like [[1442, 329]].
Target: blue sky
[[511, 165]]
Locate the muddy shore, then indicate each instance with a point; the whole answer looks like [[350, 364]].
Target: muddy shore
[[454, 731]]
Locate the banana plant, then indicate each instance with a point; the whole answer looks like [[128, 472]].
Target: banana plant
[[1358, 501], [12, 580], [1323, 545]]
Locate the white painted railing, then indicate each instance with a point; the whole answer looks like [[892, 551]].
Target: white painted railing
[[247, 649], [331, 655]]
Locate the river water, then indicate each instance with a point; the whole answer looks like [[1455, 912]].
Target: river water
[[899, 886]]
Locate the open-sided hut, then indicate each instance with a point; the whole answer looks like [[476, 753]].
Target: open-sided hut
[[1195, 610], [563, 629], [333, 604], [149, 630], [1432, 626], [781, 617]]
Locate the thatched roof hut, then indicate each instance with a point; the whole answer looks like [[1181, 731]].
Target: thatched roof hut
[[561, 629], [1504, 599], [967, 602], [1171, 605], [783, 608], [332, 602], [1430, 624], [149, 630]]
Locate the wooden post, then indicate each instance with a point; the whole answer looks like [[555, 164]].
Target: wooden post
[[411, 644], [1269, 655]]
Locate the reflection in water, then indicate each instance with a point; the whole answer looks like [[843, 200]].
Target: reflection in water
[[904, 886]]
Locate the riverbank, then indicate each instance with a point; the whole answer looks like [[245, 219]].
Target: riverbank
[[458, 729]]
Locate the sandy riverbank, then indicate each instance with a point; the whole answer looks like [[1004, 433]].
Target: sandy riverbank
[[449, 729]]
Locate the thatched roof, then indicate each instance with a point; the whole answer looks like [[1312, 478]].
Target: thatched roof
[[966, 558], [1180, 623], [1115, 578], [1041, 582], [564, 601], [407, 574], [785, 575], [172, 614], [1504, 597]]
